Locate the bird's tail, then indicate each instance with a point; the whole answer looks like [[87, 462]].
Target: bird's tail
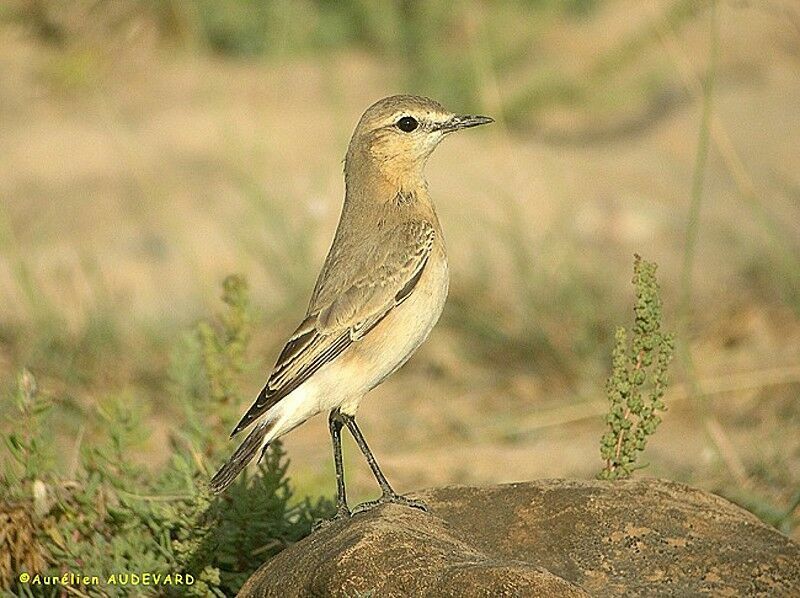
[[241, 457]]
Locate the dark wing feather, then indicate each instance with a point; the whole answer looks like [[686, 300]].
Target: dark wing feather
[[285, 378], [404, 293]]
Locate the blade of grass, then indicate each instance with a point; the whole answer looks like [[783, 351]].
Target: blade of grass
[[693, 219], [781, 238]]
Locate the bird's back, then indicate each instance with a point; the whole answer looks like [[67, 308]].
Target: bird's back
[[364, 240]]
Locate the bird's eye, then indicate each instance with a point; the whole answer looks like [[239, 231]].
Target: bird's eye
[[407, 124]]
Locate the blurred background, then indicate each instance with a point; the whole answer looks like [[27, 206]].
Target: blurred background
[[148, 149]]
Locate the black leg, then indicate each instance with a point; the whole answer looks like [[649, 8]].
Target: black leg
[[362, 444], [387, 493], [335, 425]]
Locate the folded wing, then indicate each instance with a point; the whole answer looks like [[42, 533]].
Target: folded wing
[[350, 299]]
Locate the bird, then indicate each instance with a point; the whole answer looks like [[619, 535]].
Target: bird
[[379, 294]]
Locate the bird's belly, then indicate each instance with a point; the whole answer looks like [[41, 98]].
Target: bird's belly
[[390, 344]]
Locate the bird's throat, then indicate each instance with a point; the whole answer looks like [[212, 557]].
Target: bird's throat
[[385, 181]]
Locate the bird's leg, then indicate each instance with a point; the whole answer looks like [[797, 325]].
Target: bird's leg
[[387, 493], [335, 425]]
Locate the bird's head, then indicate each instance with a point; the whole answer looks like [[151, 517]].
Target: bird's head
[[398, 133]]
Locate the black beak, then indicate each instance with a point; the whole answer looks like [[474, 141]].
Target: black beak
[[462, 121]]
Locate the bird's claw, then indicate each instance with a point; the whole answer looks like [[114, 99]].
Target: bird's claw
[[393, 498], [341, 513]]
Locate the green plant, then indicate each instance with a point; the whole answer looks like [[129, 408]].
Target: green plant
[[107, 515], [224, 346], [638, 378]]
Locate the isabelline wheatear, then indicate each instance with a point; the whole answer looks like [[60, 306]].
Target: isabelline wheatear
[[380, 292]]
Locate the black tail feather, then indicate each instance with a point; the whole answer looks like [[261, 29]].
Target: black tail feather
[[240, 458]]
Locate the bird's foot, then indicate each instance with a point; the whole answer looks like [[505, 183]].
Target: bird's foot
[[341, 513], [391, 497]]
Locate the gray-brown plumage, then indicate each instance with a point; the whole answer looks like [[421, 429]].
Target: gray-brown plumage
[[380, 291]]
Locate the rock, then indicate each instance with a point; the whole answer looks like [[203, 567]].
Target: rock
[[546, 538]]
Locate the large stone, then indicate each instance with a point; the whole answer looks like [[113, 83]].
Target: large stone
[[545, 538]]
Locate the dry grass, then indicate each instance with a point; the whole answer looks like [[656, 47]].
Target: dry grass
[[133, 181]]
